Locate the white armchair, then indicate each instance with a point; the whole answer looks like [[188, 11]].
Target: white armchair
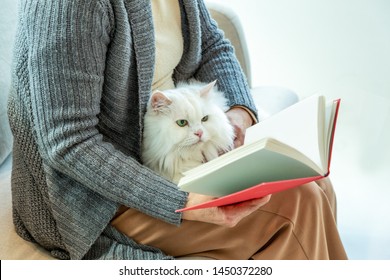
[[269, 99]]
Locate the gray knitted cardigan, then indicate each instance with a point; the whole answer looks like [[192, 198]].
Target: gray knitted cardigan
[[82, 75]]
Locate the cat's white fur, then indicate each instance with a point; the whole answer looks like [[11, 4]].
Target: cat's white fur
[[170, 149]]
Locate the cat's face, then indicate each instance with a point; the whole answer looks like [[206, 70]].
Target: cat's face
[[186, 119]]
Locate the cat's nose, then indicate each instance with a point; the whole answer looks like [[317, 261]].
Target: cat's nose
[[199, 133]]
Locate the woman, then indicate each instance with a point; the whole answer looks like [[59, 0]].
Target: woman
[[83, 72]]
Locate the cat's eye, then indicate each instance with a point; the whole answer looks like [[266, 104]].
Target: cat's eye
[[205, 118], [182, 123]]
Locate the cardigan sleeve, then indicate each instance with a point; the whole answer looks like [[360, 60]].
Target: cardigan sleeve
[[218, 62], [67, 43]]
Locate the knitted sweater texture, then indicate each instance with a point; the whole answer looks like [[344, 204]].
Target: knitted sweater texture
[[82, 75]]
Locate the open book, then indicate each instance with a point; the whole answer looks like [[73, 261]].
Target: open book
[[289, 149]]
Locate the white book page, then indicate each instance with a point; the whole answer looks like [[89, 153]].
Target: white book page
[[297, 126], [261, 164]]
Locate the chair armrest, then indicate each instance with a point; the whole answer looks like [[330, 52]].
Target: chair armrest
[[5, 134], [270, 100]]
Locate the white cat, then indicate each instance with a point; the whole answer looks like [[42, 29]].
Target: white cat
[[185, 127]]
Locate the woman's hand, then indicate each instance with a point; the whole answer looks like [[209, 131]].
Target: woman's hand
[[228, 216], [240, 120]]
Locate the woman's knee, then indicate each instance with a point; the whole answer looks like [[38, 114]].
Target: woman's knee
[[297, 202], [317, 197]]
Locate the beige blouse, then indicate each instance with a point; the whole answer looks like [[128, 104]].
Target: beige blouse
[[169, 42]]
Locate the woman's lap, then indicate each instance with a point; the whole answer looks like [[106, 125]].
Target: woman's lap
[[296, 224]]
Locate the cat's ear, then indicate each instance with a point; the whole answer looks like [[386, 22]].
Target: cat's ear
[[207, 89], [159, 100]]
